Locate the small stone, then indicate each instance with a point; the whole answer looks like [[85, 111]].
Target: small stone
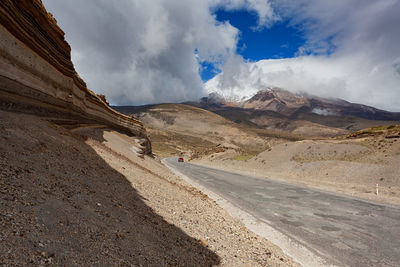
[[203, 242]]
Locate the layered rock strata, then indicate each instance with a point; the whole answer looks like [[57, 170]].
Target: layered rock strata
[[36, 72]]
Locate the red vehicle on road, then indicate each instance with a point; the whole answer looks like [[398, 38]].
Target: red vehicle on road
[[180, 159]]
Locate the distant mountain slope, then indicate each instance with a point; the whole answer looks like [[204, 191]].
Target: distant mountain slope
[[278, 109], [178, 128]]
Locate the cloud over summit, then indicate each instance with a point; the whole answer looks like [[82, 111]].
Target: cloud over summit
[[137, 51], [351, 52]]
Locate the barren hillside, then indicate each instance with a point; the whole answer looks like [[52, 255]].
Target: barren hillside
[[176, 129]]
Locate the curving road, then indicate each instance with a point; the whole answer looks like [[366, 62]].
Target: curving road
[[344, 231]]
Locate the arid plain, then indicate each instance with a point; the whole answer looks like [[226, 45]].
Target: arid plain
[[351, 162]]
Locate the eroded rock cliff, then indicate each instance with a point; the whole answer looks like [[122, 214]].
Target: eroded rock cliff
[[37, 75]]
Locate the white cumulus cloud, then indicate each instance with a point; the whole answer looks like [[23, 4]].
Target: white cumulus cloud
[[137, 51], [351, 52]]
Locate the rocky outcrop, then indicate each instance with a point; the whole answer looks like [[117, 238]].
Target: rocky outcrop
[[36, 72], [277, 100]]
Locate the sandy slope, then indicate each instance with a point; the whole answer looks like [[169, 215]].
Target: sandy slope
[[182, 129], [85, 198], [352, 167]]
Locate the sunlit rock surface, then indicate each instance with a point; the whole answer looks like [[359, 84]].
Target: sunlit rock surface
[[37, 75]]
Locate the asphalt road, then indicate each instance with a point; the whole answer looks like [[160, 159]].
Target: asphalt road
[[344, 230]]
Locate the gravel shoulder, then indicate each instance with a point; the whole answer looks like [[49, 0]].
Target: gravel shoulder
[[291, 247], [87, 198]]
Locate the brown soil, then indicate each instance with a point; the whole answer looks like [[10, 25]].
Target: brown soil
[[84, 197], [176, 129]]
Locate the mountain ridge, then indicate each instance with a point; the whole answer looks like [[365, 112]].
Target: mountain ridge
[[283, 101], [278, 109]]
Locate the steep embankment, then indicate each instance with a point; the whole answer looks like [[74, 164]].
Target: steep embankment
[[37, 75]]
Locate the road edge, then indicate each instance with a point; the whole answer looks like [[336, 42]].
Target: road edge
[[290, 247]]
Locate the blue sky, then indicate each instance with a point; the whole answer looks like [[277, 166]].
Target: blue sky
[[280, 40]]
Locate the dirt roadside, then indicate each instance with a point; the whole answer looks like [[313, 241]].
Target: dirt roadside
[[87, 198], [351, 167]]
